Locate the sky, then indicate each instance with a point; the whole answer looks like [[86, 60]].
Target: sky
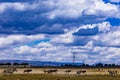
[[52, 30]]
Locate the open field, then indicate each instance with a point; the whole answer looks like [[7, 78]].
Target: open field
[[57, 77], [89, 71], [38, 74]]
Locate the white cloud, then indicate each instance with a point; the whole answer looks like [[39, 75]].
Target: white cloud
[[99, 48], [77, 8], [89, 53], [46, 51], [111, 38], [93, 54], [16, 6], [104, 27], [16, 39], [64, 38], [26, 50]]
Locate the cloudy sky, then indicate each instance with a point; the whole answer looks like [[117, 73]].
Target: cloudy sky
[[52, 30]]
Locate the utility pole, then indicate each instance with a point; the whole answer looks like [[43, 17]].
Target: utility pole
[[74, 57]]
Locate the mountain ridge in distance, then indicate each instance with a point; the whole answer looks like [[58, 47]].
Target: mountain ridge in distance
[[40, 63]]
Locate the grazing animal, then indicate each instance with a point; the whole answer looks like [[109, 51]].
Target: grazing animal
[[112, 73], [27, 71], [45, 71], [99, 70], [68, 71], [81, 71], [9, 71], [50, 71]]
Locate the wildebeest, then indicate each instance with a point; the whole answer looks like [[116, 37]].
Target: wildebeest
[[81, 71], [68, 71], [50, 71], [9, 71], [112, 73], [27, 70]]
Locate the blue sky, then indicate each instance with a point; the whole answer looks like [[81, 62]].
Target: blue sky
[[51, 30]]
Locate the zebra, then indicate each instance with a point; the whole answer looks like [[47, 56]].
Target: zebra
[[99, 70], [50, 71], [112, 73], [27, 71], [9, 71], [68, 71], [81, 71]]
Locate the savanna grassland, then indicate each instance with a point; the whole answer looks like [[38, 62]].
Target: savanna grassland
[[57, 77], [38, 74]]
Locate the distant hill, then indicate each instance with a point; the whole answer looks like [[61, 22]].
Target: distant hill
[[40, 63]]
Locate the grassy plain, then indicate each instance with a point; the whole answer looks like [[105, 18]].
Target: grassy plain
[[38, 74], [57, 77]]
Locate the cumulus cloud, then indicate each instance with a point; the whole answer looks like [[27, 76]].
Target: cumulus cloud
[[5, 41], [26, 50], [64, 38], [103, 34], [15, 6], [109, 39], [101, 47], [31, 17], [45, 51], [77, 8], [53, 30], [93, 29]]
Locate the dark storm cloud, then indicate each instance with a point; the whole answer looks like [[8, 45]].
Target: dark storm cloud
[[87, 32]]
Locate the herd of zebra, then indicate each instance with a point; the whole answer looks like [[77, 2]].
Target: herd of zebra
[[14, 69], [67, 71]]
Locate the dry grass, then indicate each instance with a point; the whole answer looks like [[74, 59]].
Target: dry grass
[[38, 74], [57, 77], [92, 71]]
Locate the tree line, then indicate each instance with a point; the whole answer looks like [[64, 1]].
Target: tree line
[[15, 63], [98, 65]]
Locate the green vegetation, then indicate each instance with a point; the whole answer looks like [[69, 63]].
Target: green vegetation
[[57, 77]]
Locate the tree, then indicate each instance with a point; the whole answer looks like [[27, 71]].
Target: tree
[[8, 63], [24, 64], [15, 63], [99, 65]]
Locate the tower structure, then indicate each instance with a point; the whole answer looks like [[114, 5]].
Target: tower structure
[[74, 57]]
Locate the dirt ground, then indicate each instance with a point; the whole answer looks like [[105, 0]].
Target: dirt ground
[[95, 71]]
